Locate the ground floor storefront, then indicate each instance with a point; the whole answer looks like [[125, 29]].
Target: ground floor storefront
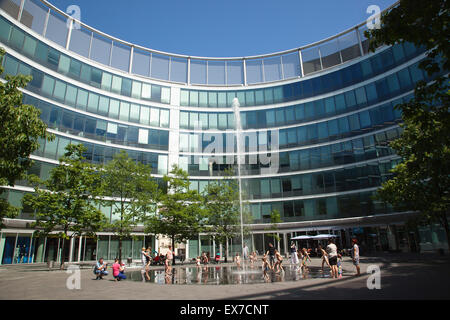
[[19, 246]]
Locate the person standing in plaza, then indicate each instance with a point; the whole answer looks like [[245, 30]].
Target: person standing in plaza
[[355, 256], [245, 252], [294, 256], [332, 257], [146, 261], [168, 261], [271, 253]]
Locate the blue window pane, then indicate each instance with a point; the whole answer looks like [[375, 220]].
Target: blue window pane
[[299, 112], [354, 122], [382, 88], [319, 107], [301, 134], [350, 99], [371, 92], [376, 117], [307, 89], [366, 68], [399, 55], [333, 127], [312, 132], [393, 84], [329, 105], [364, 117], [317, 85], [309, 110], [290, 115], [356, 72], [361, 98], [292, 136], [404, 78], [387, 113], [279, 114], [268, 95], [323, 130], [340, 102], [387, 59], [416, 72], [297, 90], [343, 125], [283, 138], [259, 97], [270, 117]]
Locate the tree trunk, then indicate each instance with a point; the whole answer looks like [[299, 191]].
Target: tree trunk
[[173, 250], [63, 254], [226, 250]]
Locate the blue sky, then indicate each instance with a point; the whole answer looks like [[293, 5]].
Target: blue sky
[[222, 28]]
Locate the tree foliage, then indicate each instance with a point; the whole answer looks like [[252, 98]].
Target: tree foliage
[[20, 130], [135, 194], [421, 181], [67, 202], [275, 219], [180, 215], [221, 199]]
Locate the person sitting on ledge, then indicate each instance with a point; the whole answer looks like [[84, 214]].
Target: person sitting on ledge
[[100, 269], [118, 270]]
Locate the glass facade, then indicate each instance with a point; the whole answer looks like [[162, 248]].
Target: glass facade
[[322, 116]]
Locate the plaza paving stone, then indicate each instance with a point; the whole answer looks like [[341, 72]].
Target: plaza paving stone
[[408, 276]]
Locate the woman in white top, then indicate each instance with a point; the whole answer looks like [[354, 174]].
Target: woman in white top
[[332, 257], [294, 256]]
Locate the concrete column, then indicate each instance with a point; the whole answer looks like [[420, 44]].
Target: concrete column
[[393, 244], [80, 242], [31, 247], [40, 243], [2, 247], [253, 243], [285, 244], [71, 244], [174, 136], [347, 238]]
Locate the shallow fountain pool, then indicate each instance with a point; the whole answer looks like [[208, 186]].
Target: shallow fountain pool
[[222, 275]]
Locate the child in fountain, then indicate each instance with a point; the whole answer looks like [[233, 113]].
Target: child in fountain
[[265, 263], [279, 261], [197, 261], [237, 259], [305, 255]]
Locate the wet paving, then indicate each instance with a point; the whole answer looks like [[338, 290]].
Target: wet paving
[[223, 275]]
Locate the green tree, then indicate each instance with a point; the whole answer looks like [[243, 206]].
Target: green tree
[[67, 201], [135, 193], [180, 214], [421, 181], [20, 129], [275, 219], [221, 199]]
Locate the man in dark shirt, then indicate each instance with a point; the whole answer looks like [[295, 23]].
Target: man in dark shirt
[[271, 253]]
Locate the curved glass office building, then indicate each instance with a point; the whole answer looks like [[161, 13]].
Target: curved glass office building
[[306, 130]]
